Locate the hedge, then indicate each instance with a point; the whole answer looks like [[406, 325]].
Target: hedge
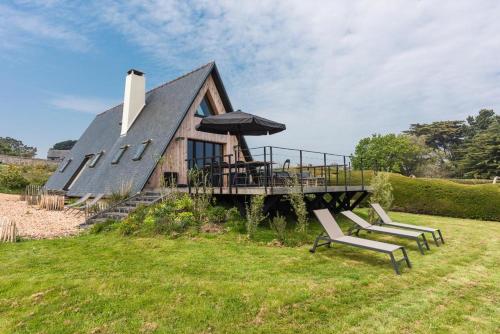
[[446, 198]]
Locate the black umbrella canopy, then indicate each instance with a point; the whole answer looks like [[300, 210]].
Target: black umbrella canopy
[[239, 123]]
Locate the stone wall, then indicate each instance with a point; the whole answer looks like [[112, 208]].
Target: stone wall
[[13, 160]]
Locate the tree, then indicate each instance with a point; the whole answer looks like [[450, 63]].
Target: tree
[[481, 122], [64, 145], [482, 154], [391, 153], [442, 135], [11, 146]]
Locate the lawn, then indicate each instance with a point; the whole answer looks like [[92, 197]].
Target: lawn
[[225, 284]]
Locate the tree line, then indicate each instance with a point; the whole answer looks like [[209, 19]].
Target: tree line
[[15, 147], [463, 149]]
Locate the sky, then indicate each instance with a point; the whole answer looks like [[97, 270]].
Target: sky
[[333, 71]]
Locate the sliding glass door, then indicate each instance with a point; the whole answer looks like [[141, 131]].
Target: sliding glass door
[[201, 153]]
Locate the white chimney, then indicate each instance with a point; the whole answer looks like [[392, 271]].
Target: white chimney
[[134, 98]]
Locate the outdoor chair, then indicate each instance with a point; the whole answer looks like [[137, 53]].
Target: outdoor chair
[[78, 203], [281, 178], [364, 225], [286, 165], [333, 234], [386, 220]]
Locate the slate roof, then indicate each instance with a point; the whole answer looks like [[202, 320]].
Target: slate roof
[[165, 109]]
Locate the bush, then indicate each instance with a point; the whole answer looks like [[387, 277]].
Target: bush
[[235, 221], [134, 221], [217, 215], [382, 194], [11, 178], [105, 226], [446, 198], [255, 214], [278, 224]]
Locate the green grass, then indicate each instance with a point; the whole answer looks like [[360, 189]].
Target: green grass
[[225, 284]]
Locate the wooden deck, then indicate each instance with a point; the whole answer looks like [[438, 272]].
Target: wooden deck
[[334, 198], [276, 190]]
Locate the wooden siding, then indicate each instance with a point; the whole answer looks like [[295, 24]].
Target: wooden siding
[[176, 154]]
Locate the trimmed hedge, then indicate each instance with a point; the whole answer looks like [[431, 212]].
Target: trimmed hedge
[[446, 198]]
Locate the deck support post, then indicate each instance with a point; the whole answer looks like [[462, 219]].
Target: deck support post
[[324, 169], [265, 170], [345, 175], [271, 167], [301, 176]]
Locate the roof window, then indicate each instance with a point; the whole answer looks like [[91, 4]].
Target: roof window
[[140, 150], [119, 154], [95, 159]]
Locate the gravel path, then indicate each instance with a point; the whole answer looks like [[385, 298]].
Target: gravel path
[[34, 223]]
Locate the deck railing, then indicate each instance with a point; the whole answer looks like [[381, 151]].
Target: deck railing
[[269, 167]]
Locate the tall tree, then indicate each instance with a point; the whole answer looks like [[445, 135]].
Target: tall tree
[[482, 154], [11, 146], [391, 153], [443, 135], [481, 122]]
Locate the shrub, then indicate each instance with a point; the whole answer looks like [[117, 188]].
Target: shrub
[[446, 198], [134, 221], [105, 226], [382, 194], [255, 214], [12, 178], [278, 224], [235, 221], [217, 215]]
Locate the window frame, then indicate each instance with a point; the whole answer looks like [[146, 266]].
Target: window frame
[[141, 150], [210, 108], [65, 165], [194, 160], [95, 159], [119, 154]]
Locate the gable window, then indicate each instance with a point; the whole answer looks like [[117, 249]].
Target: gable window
[[118, 155], [140, 150], [64, 165], [95, 159], [204, 109]]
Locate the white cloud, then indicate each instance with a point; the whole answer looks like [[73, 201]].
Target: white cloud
[[333, 71], [81, 104], [22, 28]]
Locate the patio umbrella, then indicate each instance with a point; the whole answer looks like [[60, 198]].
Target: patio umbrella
[[239, 123]]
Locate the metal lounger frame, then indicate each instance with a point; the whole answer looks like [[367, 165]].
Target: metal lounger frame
[[355, 230], [437, 239], [382, 222], [395, 263]]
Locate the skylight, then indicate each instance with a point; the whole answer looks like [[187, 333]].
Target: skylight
[[140, 150], [95, 159], [65, 165], [204, 109], [119, 154]]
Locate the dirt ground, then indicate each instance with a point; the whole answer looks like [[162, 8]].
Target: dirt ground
[[35, 223]]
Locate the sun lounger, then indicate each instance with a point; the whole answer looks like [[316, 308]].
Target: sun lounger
[[386, 220], [362, 224], [79, 202], [333, 234]]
